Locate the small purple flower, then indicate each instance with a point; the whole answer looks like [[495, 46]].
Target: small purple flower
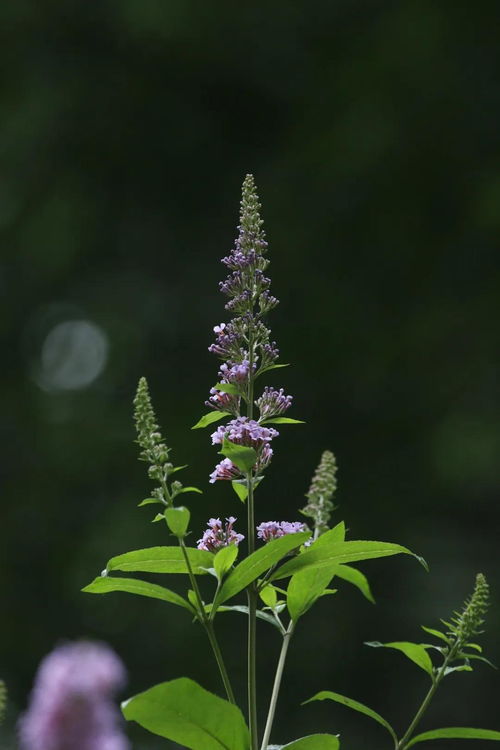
[[235, 372], [219, 535], [269, 530], [273, 403], [223, 401], [244, 431], [71, 704], [225, 470]]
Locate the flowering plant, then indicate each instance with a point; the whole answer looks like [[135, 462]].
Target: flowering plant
[[288, 564]]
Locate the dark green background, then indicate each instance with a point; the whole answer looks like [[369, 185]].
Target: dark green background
[[372, 130]]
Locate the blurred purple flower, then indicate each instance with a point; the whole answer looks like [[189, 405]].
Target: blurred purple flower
[[219, 535], [244, 431], [71, 705]]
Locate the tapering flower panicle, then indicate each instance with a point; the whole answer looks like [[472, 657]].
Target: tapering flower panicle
[[467, 623], [244, 343], [154, 450], [72, 704], [269, 530], [321, 491], [219, 535]]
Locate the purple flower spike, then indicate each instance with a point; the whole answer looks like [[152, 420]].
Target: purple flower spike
[[269, 530], [219, 535], [71, 704]]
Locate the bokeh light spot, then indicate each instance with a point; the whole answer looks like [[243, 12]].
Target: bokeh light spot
[[73, 355]]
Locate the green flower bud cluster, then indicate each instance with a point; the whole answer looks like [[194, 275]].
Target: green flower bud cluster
[[468, 622], [321, 491], [154, 450]]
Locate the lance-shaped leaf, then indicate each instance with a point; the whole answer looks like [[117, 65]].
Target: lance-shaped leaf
[[161, 560], [106, 584], [259, 562], [357, 578], [326, 555], [306, 587], [413, 651], [282, 420], [356, 706], [314, 742], [210, 418], [456, 733], [241, 455], [183, 712]]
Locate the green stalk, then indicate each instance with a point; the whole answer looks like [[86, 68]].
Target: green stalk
[[277, 684], [251, 590], [209, 628], [425, 703]]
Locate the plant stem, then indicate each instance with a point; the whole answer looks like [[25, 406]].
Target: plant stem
[[209, 629], [220, 661], [277, 685], [251, 590], [252, 627], [425, 703]]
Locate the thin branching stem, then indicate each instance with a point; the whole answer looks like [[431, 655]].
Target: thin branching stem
[[208, 626], [277, 684]]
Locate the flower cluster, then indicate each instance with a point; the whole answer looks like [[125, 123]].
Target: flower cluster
[[71, 704], [273, 403], [244, 343], [243, 431], [269, 530], [219, 535]]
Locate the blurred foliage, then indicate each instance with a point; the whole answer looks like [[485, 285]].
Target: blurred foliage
[[126, 127]]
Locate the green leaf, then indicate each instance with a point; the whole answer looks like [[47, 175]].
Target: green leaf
[[240, 489], [224, 559], [161, 560], [337, 534], [177, 468], [360, 707], [190, 489], [258, 562], [272, 367], [269, 596], [436, 633], [227, 388], [185, 713], [325, 553], [260, 614], [178, 520], [305, 588], [210, 418], [158, 517], [241, 455], [149, 501], [282, 420], [314, 742], [413, 651], [106, 584], [456, 733], [357, 578]]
